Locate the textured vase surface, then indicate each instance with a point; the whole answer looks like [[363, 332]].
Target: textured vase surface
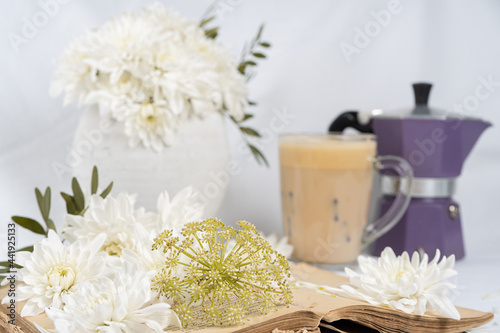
[[198, 157]]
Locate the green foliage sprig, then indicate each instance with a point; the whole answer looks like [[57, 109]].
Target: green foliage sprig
[[209, 16], [75, 205], [211, 33], [248, 132], [227, 271], [251, 54], [43, 201]]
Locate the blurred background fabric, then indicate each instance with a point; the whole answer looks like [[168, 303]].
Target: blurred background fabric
[[317, 67]]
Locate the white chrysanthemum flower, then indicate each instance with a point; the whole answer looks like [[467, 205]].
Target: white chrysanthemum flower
[[54, 270], [143, 254], [412, 286], [152, 262], [151, 71], [117, 304], [174, 213], [116, 218], [150, 125], [184, 207]]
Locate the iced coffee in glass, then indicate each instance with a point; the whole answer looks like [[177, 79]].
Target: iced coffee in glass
[[326, 184]]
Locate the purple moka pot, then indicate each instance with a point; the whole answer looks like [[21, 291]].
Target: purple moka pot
[[436, 144]]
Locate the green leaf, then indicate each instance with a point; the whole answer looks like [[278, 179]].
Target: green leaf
[[40, 201], [27, 248], [70, 203], [77, 195], [265, 44], [250, 131], [258, 55], [252, 103], [212, 33], [205, 21], [248, 115], [29, 224], [50, 225], [241, 69], [7, 264], [4, 270], [250, 63], [44, 202], [106, 191], [95, 181], [258, 155]]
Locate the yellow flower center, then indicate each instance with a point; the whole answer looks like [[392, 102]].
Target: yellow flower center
[[113, 248], [402, 273], [62, 276]]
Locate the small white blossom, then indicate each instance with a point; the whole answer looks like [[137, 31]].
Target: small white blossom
[[412, 286], [117, 304], [150, 261], [174, 213], [54, 270], [115, 217], [181, 209]]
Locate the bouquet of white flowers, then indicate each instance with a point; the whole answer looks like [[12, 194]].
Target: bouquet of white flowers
[[153, 70]]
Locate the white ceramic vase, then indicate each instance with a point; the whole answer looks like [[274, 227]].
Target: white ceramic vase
[[199, 158]]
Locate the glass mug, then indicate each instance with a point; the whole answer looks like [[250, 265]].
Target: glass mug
[[326, 185]]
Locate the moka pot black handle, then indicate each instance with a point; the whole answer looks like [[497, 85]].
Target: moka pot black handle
[[349, 119]]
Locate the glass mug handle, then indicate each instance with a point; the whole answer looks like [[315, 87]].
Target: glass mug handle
[[387, 221]]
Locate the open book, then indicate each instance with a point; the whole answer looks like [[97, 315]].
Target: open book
[[308, 311]]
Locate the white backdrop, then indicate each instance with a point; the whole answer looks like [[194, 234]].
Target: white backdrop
[[452, 44]]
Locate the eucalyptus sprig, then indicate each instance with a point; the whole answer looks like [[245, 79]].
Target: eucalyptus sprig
[[75, 205], [207, 17], [253, 52], [250, 132], [226, 272], [33, 225]]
